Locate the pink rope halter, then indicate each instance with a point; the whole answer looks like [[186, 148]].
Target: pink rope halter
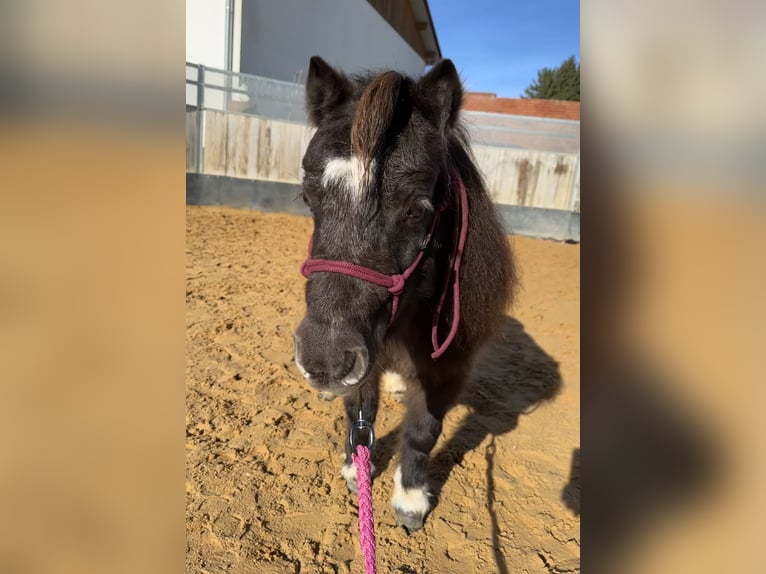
[[395, 283]]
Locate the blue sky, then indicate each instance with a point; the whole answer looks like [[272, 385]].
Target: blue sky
[[498, 46]]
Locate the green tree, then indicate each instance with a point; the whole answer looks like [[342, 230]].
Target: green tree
[[562, 83]]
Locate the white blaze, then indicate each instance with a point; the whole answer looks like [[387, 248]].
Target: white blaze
[[350, 174]]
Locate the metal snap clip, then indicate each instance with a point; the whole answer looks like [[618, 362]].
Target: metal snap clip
[[361, 433]]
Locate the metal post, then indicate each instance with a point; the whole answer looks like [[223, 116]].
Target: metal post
[[200, 118], [228, 55]]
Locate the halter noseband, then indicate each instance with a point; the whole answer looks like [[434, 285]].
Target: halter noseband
[[395, 283]]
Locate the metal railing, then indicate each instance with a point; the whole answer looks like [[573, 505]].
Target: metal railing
[[211, 89], [524, 132], [233, 92]]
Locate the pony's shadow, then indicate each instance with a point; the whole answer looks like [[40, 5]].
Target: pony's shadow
[[648, 456], [511, 377]]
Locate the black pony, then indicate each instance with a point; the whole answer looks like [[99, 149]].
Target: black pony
[[409, 272]]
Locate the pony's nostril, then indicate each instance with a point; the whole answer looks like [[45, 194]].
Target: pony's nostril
[[345, 367], [358, 367], [297, 356], [322, 366]]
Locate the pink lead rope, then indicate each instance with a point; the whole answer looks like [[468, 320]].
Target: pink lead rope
[[395, 283], [361, 460]]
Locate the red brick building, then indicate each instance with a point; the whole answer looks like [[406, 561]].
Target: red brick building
[[488, 102]]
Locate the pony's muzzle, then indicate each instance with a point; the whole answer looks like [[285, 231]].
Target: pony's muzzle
[[330, 360]]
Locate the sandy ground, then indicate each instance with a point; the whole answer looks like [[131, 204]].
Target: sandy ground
[[263, 488]]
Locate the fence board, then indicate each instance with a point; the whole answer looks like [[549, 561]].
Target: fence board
[[192, 139], [257, 148], [237, 145], [528, 178], [216, 134]]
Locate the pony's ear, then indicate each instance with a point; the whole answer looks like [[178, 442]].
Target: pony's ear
[[326, 89], [441, 93]]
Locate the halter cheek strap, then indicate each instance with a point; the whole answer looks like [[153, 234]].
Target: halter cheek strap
[[395, 283], [461, 231]]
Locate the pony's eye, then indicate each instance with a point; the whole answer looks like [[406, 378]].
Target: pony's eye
[[416, 213]]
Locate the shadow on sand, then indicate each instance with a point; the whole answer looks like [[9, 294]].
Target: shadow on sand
[[512, 376]]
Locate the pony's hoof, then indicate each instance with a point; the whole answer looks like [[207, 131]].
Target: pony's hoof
[[326, 395], [410, 521], [411, 505]]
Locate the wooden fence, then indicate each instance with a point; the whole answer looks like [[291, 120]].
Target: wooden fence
[[252, 147]]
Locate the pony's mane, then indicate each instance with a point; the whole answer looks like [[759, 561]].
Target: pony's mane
[[374, 115], [498, 274]]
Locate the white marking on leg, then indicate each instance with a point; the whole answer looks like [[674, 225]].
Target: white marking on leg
[[350, 173], [393, 383], [409, 500], [348, 472]]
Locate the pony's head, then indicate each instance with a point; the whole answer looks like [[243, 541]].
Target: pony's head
[[375, 173]]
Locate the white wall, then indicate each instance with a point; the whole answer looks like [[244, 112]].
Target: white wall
[[206, 32], [206, 44], [276, 38], [279, 37]]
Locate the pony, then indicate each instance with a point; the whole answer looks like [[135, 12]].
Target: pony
[[409, 270]]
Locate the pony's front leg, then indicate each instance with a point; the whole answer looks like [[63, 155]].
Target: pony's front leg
[[422, 427], [364, 401]]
